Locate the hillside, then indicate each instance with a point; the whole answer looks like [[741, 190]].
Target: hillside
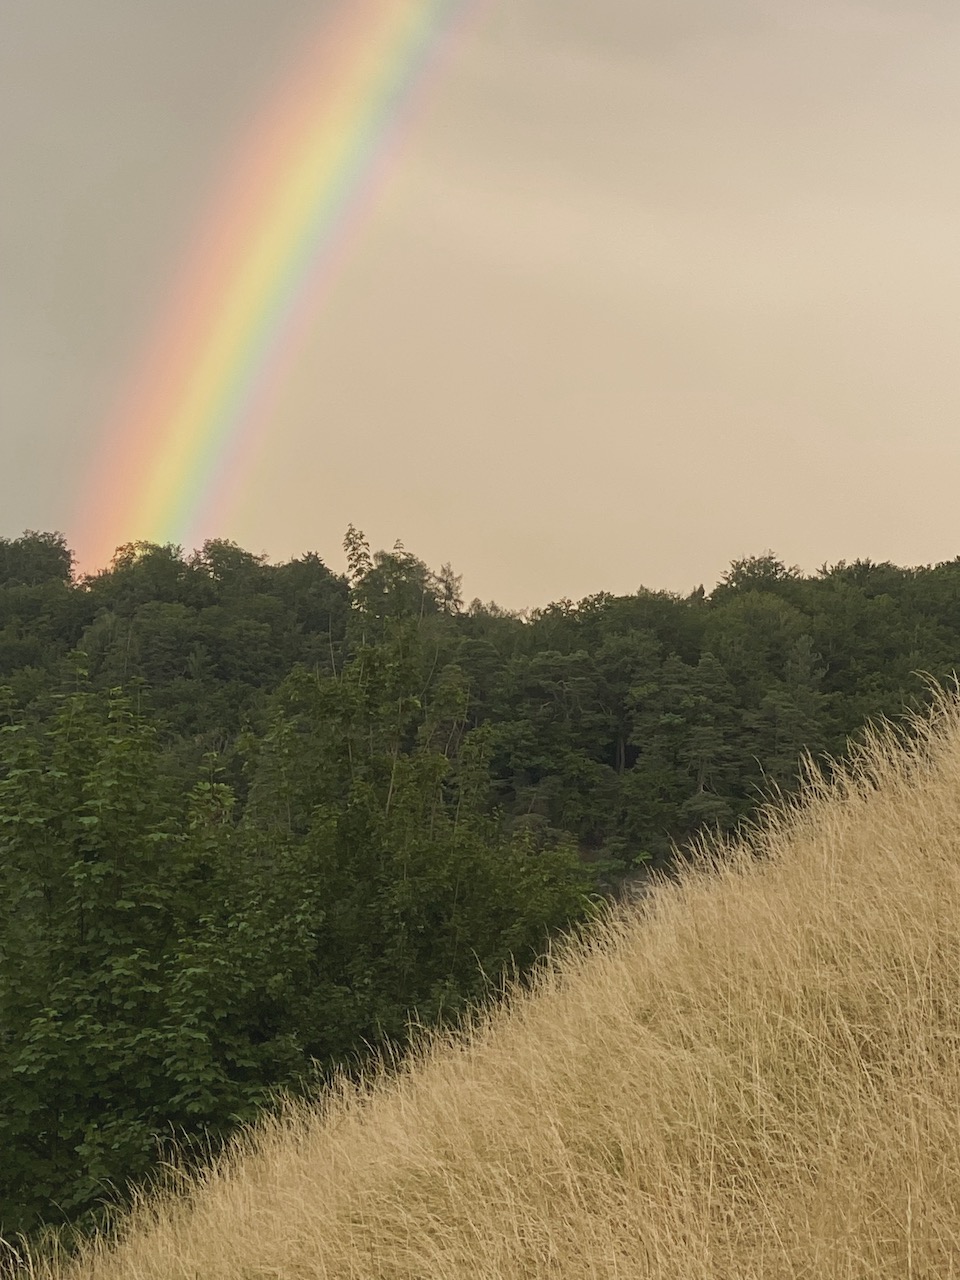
[[752, 1074]]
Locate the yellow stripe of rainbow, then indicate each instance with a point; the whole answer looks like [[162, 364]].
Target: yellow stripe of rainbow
[[259, 268]]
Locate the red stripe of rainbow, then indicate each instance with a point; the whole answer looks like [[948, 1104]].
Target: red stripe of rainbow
[[259, 269]]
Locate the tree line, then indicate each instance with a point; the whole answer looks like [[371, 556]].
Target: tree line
[[257, 820]]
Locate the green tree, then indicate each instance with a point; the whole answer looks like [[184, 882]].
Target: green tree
[[123, 1018], [379, 792], [35, 558]]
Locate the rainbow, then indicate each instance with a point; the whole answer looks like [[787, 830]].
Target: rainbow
[[260, 266]]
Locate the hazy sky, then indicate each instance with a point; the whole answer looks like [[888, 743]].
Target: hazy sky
[[657, 284]]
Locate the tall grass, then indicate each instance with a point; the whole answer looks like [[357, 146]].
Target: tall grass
[[755, 1073]]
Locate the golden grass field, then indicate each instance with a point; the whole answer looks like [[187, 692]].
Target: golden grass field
[[753, 1074]]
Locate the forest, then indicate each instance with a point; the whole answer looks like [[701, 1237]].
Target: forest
[[259, 821]]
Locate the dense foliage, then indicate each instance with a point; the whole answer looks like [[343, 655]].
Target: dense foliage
[[255, 818]]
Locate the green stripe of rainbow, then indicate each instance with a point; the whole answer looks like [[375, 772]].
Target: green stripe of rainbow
[[259, 270]]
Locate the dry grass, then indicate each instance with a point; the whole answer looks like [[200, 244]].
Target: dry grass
[[756, 1074]]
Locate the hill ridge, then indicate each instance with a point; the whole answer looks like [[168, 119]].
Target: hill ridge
[[752, 1073]]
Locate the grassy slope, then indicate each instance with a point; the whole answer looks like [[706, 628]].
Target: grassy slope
[[758, 1075]]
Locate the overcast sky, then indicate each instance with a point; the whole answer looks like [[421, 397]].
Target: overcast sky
[[656, 284]]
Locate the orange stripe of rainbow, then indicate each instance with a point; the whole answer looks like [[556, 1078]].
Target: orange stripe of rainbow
[[260, 267]]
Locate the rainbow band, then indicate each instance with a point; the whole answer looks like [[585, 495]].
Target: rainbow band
[[260, 268]]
